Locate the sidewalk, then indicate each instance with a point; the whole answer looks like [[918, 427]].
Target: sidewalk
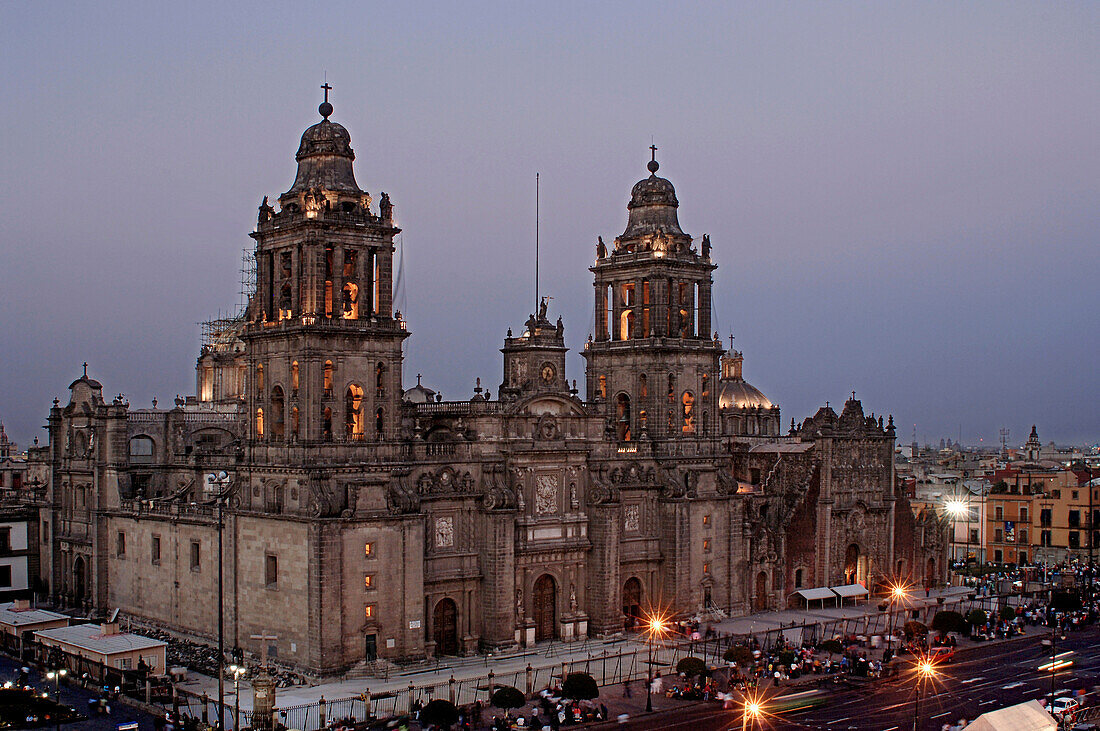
[[546, 660]]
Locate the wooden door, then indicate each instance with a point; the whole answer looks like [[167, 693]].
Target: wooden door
[[445, 626], [546, 614], [632, 602]]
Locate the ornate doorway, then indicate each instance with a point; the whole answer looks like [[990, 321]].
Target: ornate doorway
[[79, 587], [632, 603], [546, 608], [760, 596], [855, 564], [445, 627]]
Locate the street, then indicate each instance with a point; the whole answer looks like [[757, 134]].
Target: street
[[980, 679]]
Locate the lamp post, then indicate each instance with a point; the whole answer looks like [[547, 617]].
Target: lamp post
[[955, 508], [221, 480], [897, 595], [56, 676], [925, 671], [655, 626], [237, 671], [750, 713]]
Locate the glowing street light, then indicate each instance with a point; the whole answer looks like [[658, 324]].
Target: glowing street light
[[925, 671], [754, 709], [56, 676], [655, 627]]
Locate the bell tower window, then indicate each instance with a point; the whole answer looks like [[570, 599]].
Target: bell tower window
[[379, 423], [603, 387], [285, 290], [353, 413], [326, 424], [294, 377], [327, 379], [380, 380], [622, 417], [643, 387], [259, 379], [277, 406], [688, 412], [645, 308], [328, 281], [259, 423], [294, 421], [351, 301]]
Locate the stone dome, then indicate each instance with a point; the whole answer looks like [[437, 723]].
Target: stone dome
[[652, 210], [734, 391], [325, 160]]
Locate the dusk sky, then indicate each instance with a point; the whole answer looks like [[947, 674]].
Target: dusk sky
[[903, 198]]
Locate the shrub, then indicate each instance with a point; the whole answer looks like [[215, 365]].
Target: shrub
[[506, 697], [580, 687], [439, 712], [833, 647], [691, 667], [976, 617], [1008, 613], [913, 628], [948, 621], [739, 654]]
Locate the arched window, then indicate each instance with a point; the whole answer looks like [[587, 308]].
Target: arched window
[[353, 413], [643, 387], [351, 301], [603, 387], [326, 424], [141, 450], [798, 578], [380, 380], [259, 379], [260, 423], [645, 309], [294, 376], [294, 422], [379, 423], [688, 412], [278, 426], [284, 301], [622, 417], [327, 380], [671, 387], [706, 385], [626, 324]]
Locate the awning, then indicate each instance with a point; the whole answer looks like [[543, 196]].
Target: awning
[[813, 595], [849, 590]]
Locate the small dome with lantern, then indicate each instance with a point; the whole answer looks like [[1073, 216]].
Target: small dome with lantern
[[734, 391]]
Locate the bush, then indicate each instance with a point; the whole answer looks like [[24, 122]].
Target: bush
[[786, 657], [439, 712], [580, 687], [948, 621], [913, 628], [739, 654], [976, 617], [691, 667], [506, 697], [833, 647], [1008, 613]]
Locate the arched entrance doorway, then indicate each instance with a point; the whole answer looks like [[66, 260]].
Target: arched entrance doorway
[[445, 627], [546, 609], [930, 573], [632, 603], [760, 594], [855, 565], [79, 587]]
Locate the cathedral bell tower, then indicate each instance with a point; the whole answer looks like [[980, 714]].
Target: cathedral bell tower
[[653, 364], [323, 345]]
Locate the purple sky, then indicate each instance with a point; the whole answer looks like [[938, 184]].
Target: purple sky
[[902, 198]]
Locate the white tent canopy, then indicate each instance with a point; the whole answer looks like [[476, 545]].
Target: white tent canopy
[[849, 590], [1030, 716], [812, 595]]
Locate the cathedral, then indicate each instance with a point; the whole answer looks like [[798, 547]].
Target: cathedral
[[353, 519]]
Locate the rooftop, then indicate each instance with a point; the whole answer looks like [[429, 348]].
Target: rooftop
[[10, 615], [91, 637]]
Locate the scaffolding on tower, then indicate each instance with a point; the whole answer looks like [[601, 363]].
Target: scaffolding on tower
[[223, 332]]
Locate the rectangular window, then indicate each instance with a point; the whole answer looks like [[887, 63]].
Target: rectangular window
[[271, 571], [368, 549], [120, 545], [1074, 539], [706, 545], [196, 556], [5, 576], [1073, 495], [45, 531], [999, 512], [1044, 517], [1075, 519], [1023, 515], [706, 520], [5, 540], [1023, 537], [706, 568], [368, 581], [998, 556], [1057, 494], [974, 535], [369, 611], [998, 535], [1044, 538], [154, 552]]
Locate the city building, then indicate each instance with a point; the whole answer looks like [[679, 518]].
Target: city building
[[358, 520]]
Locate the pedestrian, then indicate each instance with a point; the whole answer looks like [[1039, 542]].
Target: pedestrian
[[626, 689], [777, 675]]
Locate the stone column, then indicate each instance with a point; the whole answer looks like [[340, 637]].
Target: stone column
[[498, 602], [604, 574], [263, 702], [704, 309]]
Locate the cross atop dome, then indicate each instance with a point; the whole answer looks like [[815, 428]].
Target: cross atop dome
[[325, 109], [653, 166]]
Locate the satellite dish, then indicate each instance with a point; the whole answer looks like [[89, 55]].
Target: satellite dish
[[114, 616]]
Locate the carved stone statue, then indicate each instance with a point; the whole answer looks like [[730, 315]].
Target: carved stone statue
[[601, 248], [542, 308], [706, 246], [385, 208], [572, 598], [266, 211], [561, 328]]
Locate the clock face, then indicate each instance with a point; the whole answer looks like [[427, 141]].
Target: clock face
[[548, 373]]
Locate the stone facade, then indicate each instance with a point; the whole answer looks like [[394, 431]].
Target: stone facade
[[362, 521]]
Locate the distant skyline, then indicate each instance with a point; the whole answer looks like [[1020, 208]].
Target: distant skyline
[[902, 197]]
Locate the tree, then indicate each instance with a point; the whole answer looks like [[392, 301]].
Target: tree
[[739, 654], [833, 647], [506, 697], [913, 628], [976, 617], [439, 712], [691, 667], [1008, 613], [948, 621], [580, 687]]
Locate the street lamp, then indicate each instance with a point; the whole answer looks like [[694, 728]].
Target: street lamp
[[655, 627], [56, 676], [237, 671], [925, 670], [898, 594], [753, 710], [221, 480], [956, 509]]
